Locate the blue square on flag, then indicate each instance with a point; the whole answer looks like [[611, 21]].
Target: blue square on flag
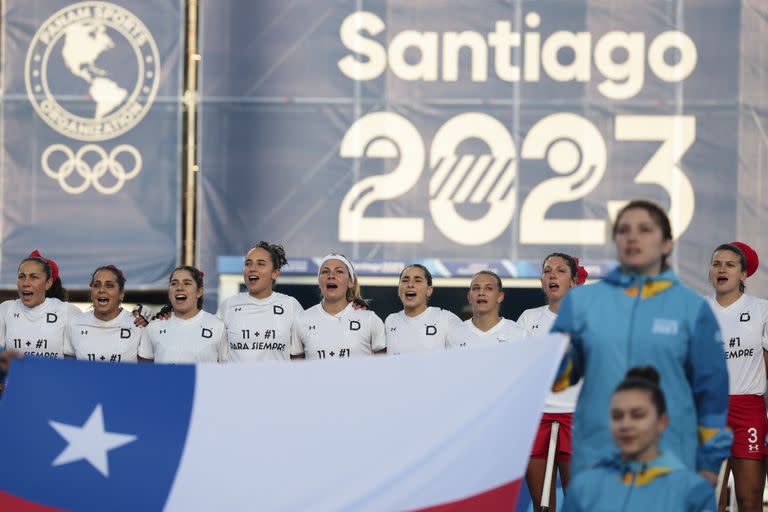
[[83, 433]]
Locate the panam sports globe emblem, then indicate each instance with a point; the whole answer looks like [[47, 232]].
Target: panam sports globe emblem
[[92, 73]]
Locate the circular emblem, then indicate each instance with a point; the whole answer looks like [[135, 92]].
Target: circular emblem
[[92, 71]]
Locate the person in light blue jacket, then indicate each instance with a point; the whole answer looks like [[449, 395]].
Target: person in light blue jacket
[[640, 314], [639, 477]]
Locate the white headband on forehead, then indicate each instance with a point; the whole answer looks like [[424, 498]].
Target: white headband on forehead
[[342, 259]]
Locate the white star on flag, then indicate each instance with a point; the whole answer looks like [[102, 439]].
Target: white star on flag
[[89, 442]]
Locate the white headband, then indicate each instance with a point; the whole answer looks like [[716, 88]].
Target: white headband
[[342, 259]]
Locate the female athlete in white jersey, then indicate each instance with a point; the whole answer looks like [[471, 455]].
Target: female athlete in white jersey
[[486, 325], [743, 322], [334, 329], [106, 333], [418, 327], [559, 273], [259, 321], [35, 323], [190, 335]]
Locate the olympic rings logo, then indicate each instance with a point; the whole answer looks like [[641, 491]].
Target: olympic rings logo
[[91, 173]]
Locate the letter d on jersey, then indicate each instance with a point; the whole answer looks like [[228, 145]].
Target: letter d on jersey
[[354, 325], [207, 333], [278, 310], [125, 333], [431, 330], [51, 318]]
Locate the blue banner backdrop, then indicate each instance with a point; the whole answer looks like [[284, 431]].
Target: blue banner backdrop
[[91, 137], [397, 130]]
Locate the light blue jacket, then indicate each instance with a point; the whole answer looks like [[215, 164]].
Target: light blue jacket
[[664, 484], [625, 321]]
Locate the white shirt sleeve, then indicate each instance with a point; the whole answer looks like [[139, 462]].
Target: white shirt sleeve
[[298, 309], [451, 319], [297, 345], [523, 320], [72, 310], [378, 336], [222, 310], [3, 309], [388, 324], [521, 330], [223, 346], [765, 325], [146, 346], [68, 349], [450, 339]]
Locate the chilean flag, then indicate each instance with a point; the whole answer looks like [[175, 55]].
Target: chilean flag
[[435, 431]]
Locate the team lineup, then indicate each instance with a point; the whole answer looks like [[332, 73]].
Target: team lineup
[[697, 398]]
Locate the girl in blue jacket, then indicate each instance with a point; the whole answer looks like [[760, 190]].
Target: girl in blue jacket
[[639, 477], [640, 314]]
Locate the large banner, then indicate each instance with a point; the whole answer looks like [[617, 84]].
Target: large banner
[[445, 131], [438, 431], [90, 167]]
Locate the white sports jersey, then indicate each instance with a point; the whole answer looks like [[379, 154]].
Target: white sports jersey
[[744, 327], [260, 329], [427, 331], [538, 321], [113, 341], [200, 339], [467, 335], [350, 333], [38, 331]]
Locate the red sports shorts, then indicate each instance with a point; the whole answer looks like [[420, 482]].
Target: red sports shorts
[[541, 443], [746, 417]]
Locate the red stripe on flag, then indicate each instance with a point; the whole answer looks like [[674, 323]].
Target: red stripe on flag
[[11, 503], [503, 497]]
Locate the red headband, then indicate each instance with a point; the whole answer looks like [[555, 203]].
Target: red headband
[[54, 267], [581, 272], [750, 256]]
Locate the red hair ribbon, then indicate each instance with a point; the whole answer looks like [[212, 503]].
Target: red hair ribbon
[[54, 266], [581, 272], [202, 274], [750, 256]]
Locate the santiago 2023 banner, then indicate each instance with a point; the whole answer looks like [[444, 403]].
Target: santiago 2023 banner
[[458, 131]]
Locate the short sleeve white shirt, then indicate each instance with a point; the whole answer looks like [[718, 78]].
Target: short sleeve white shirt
[[112, 341], [350, 333], [427, 331], [38, 331], [200, 339], [260, 329], [467, 335], [744, 328], [537, 322]]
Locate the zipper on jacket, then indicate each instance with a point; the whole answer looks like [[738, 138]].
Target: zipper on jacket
[[632, 486], [632, 323]]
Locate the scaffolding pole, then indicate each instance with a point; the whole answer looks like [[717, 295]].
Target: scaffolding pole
[[190, 167]]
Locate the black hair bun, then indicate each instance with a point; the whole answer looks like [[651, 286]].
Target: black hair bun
[[648, 373]]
